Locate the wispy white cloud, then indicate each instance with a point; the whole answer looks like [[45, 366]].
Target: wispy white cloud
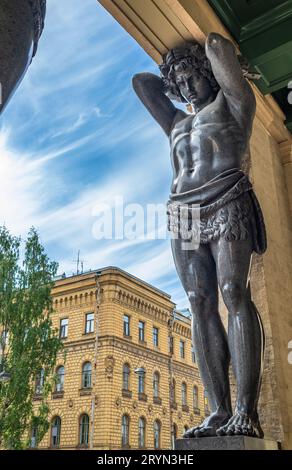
[[75, 136]]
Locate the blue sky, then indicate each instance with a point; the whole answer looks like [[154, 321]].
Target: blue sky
[[75, 135]]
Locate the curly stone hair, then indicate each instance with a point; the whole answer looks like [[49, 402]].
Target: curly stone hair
[[190, 54]]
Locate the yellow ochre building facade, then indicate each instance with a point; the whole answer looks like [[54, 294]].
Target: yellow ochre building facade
[[129, 378]]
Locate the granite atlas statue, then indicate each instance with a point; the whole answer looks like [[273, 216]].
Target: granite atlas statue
[[21, 25], [207, 150]]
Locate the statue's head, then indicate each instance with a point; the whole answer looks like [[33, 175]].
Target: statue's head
[[188, 76]]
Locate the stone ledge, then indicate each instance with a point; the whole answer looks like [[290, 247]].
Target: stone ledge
[[226, 443]]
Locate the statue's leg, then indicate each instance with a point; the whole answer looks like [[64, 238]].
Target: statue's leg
[[245, 333], [197, 272]]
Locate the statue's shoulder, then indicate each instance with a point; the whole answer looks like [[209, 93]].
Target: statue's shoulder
[[179, 119]]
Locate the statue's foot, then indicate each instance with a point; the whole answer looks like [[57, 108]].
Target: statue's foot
[[241, 424], [208, 427]]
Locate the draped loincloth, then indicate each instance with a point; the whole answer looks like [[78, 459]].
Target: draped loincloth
[[227, 207]]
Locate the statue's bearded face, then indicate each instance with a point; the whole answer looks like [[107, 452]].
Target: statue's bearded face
[[193, 86]]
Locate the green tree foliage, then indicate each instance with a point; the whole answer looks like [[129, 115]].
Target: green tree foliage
[[28, 343]]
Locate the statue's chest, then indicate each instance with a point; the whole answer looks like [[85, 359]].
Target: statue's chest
[[192, 132]]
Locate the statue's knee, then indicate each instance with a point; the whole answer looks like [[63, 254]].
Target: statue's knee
[[200, 303], [233, 295]]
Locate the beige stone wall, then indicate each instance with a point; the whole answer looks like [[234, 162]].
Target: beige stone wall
[[272, 281], [121, 294]]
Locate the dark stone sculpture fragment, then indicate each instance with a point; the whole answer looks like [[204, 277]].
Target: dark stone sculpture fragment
[[207, 150], [21, 25]]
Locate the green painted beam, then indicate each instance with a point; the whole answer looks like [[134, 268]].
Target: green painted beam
[[263, 30]]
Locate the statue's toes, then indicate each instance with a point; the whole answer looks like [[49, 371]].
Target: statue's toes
[[205, 432], [189, 433], [238, 425], [222, 431], [238, 430], [230, 430]]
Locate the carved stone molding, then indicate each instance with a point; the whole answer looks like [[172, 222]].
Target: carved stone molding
[[135, 303], [182, 369], [182, 330], [109, 363], [136, 350]]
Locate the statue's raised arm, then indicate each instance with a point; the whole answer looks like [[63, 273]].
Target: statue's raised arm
[[227, 71], [150, 89]]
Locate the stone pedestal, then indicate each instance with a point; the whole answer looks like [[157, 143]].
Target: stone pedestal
[[226, 443]]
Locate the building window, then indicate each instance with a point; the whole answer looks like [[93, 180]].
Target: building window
[[155, 336], [64, 328], [193, 355], [157, 432], [182, 349], [184, 394], [125, 430], [56, 431], [126, 377], [89, 323], [142, 433], [60, 379], [174, 434], [84, 430], [141, 382], [39, 382], [86, 375], [126, 325], [195, 397], [33, 438], [141, 331], [156, 379]]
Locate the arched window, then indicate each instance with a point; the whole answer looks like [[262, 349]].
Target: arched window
[[125, 430], [56, 431], [126, 377], [39, 382], [84, 430], [157, 432], [156, 380], [195, 397], [86, 375], [141, 381], [60, 379], [33, 437], [184, 394], [142, 433]]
